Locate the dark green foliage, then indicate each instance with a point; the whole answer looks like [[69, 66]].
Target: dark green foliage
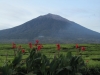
[[39, 63], [10, 68], [6, 70], [17, 60]]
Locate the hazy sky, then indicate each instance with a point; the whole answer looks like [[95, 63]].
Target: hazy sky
[[17, 12]]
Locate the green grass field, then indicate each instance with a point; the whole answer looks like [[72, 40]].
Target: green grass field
[[91, 54]]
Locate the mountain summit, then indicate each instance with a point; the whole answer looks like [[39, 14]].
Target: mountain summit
[[50, 28], [53, 16]]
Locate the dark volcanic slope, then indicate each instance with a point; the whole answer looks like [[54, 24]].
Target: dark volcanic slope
[[51, 28]]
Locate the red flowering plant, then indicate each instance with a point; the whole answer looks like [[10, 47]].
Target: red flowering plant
[[80, 48], [83, 48], [23, 50], [18, 49], [77, 46], [39, 47], [30, 45], [13, 45], [58, 46], [37, 43]]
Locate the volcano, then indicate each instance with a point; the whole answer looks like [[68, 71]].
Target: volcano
[[49, 28]]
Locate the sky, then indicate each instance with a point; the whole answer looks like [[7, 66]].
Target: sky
[[17, 12]]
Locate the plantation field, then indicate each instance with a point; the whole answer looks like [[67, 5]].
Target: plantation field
[[91, 54]]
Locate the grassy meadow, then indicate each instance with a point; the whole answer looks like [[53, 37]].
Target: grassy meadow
[[91, 54]]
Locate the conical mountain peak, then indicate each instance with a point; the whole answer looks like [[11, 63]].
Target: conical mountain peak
[[50, 28], [53, 16], [50, 15]]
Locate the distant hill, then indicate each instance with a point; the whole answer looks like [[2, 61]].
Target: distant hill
[[50, 28]]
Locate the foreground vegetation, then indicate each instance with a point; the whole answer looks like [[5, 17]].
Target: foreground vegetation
[[49, 60]]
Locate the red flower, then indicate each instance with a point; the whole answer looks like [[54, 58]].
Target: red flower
[[39, 47], [23, 51], [37, 41], [58, 46], [77, 46], [30, 45], [13, 45], [83, 48]]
